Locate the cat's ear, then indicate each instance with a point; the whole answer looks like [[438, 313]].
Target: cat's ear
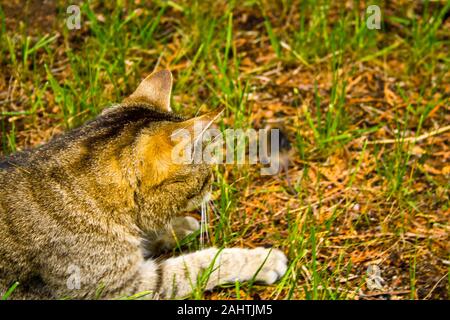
[[154, 90]]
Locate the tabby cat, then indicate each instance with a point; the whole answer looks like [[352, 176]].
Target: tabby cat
[[94, 207]]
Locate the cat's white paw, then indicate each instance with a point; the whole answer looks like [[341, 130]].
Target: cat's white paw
[[184, 226], [167, 239], [274, 264]]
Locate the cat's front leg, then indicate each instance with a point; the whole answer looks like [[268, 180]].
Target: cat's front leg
[[166, 240], [212, 267]]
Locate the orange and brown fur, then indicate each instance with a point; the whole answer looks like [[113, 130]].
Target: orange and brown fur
[[97, 198]]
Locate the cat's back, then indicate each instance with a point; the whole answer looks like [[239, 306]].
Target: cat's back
[[14, 262], [13, 180]]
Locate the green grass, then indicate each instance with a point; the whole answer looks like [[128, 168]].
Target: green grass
[[10, 291], [241, 56]]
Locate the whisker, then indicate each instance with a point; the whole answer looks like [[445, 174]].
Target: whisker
[[204, 225], [214, 208], [202, 211], [207, 221]]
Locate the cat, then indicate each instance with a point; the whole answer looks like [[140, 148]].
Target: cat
[[95, 206]]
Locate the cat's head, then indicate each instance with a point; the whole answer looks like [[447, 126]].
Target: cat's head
[[145, 149]]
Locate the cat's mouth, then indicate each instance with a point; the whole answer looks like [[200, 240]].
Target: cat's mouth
[[203, 196]]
